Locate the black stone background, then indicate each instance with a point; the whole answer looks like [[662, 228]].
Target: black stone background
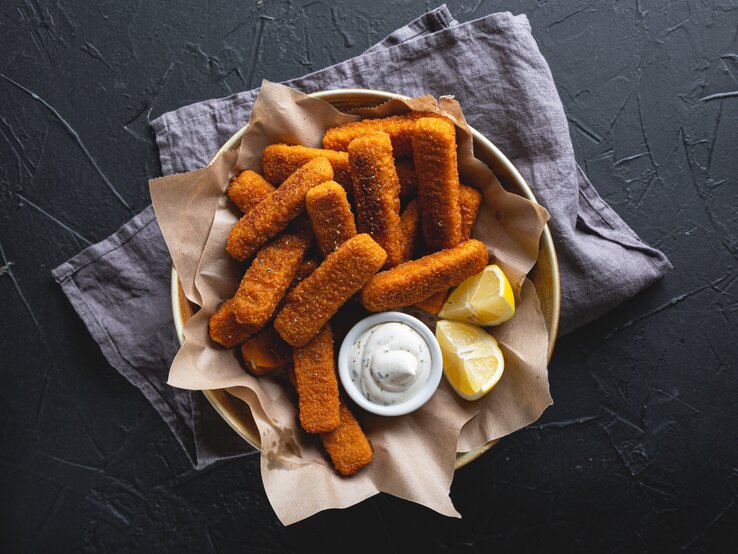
[[639, 452]]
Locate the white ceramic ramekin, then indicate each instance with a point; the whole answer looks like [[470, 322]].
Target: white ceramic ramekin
[[411, 404]]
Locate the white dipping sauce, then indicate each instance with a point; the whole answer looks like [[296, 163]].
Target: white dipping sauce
[[390, 363]]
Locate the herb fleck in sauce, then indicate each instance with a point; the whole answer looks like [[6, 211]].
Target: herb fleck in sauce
[[390, 363]]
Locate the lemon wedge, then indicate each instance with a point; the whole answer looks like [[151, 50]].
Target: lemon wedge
[[472, 360], [483, 299]]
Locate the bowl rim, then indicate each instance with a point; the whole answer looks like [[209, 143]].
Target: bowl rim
[[410, 405], [546, 241]]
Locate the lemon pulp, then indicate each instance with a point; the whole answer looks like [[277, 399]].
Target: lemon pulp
[[472, 360], [484, 299]]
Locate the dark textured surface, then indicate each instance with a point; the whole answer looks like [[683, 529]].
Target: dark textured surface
[[639, 453]]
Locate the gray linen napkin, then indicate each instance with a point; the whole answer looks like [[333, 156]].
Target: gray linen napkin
[[120, 287]]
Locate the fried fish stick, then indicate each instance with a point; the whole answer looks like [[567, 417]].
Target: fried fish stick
[[330, 215], [398, 127], [410, 225], [406, 174], [225, 330], [270, 274], [247, 189], [434, 154], [470, 201], [317, 385], [273, 213], [413, 281], [314, 301], [433, 303], [377, 192], [279, 161], [265, 352], [303, 272], [347, 446]]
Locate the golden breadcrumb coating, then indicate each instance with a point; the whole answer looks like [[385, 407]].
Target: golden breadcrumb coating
[[279, 161], [434, 154], [416, 280], [406, 174], [347, 446], [273, 213], [247, 189], [410, 226], [273, 269], [303, 272], [470, 201], [398, 127], [377, 192], [265, 352], [225, 330], [316, 299], [331, 216], [316, 382], [433, 303]]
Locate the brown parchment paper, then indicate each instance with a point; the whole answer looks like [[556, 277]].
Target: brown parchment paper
[[414, 454]]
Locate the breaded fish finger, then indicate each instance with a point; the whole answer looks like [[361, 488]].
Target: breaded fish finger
[[377, 192], [331, 216], [434, 154], [406, 174], [413, 281], [470, 200], [303, 272], [273, 213], [410, 225], [247, 189], [398, 127], [265, 352], [225, 330], [270, 274], [347, 446], [317, 385], [314, 301], [279, 161], [433, 303]]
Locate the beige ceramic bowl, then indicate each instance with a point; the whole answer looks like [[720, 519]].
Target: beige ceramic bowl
[[545, 274]]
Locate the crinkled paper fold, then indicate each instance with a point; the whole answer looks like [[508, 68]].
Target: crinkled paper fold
[[414, 454]]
